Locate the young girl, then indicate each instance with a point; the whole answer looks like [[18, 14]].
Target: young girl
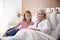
[[26, 22]]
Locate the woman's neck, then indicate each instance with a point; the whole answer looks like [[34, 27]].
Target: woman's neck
[[40, 20]]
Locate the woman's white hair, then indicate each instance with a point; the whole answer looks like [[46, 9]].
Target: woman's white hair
[[41, 9]]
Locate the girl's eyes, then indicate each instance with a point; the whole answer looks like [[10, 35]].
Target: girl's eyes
[[28, 16]]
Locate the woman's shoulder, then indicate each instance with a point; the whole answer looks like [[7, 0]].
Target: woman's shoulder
[[46, 20]]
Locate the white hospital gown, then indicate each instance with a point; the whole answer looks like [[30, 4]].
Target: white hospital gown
[[44, 26]]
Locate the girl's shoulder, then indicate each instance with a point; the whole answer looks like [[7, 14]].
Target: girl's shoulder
[[32, 22], [22, 22]]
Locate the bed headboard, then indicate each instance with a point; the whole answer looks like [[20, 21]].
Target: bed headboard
[[52, 17]]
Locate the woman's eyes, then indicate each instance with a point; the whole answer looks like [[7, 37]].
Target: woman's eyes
[[40, 14]]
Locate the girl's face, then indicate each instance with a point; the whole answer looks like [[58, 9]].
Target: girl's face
[[40, 15], [28, 17]]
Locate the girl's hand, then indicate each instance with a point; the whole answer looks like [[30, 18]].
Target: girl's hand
[[19, 27]]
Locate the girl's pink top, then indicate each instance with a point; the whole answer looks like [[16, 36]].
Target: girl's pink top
[[24, 24]]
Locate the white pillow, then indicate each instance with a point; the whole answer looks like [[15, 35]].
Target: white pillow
[[34, 17], [58, 18], [53, 19]]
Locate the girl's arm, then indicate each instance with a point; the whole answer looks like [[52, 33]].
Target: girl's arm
[[17, 25], [14, 27]]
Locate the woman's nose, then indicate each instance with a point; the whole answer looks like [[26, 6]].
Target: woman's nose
[[40, 15]]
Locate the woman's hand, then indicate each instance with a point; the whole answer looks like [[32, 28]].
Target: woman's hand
[[34, 29], [37, 29]]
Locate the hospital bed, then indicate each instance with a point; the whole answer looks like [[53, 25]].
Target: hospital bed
[[55, 31]]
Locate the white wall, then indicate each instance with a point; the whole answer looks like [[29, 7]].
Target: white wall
[[10, 9], [33, 5]]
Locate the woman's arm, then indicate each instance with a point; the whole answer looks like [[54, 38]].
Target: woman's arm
[[35, 29], [45, 26]]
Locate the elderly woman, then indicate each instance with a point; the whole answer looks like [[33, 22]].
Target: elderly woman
[[39, 31], [42, 24]]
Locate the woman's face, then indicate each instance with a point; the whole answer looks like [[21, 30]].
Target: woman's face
[[40, 15], [28, 17]]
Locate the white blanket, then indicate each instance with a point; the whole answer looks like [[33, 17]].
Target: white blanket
[[28, 34]]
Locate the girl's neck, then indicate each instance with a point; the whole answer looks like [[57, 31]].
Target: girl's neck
[[27, 22]]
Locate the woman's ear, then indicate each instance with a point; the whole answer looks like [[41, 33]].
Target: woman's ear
[[45, 16]]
